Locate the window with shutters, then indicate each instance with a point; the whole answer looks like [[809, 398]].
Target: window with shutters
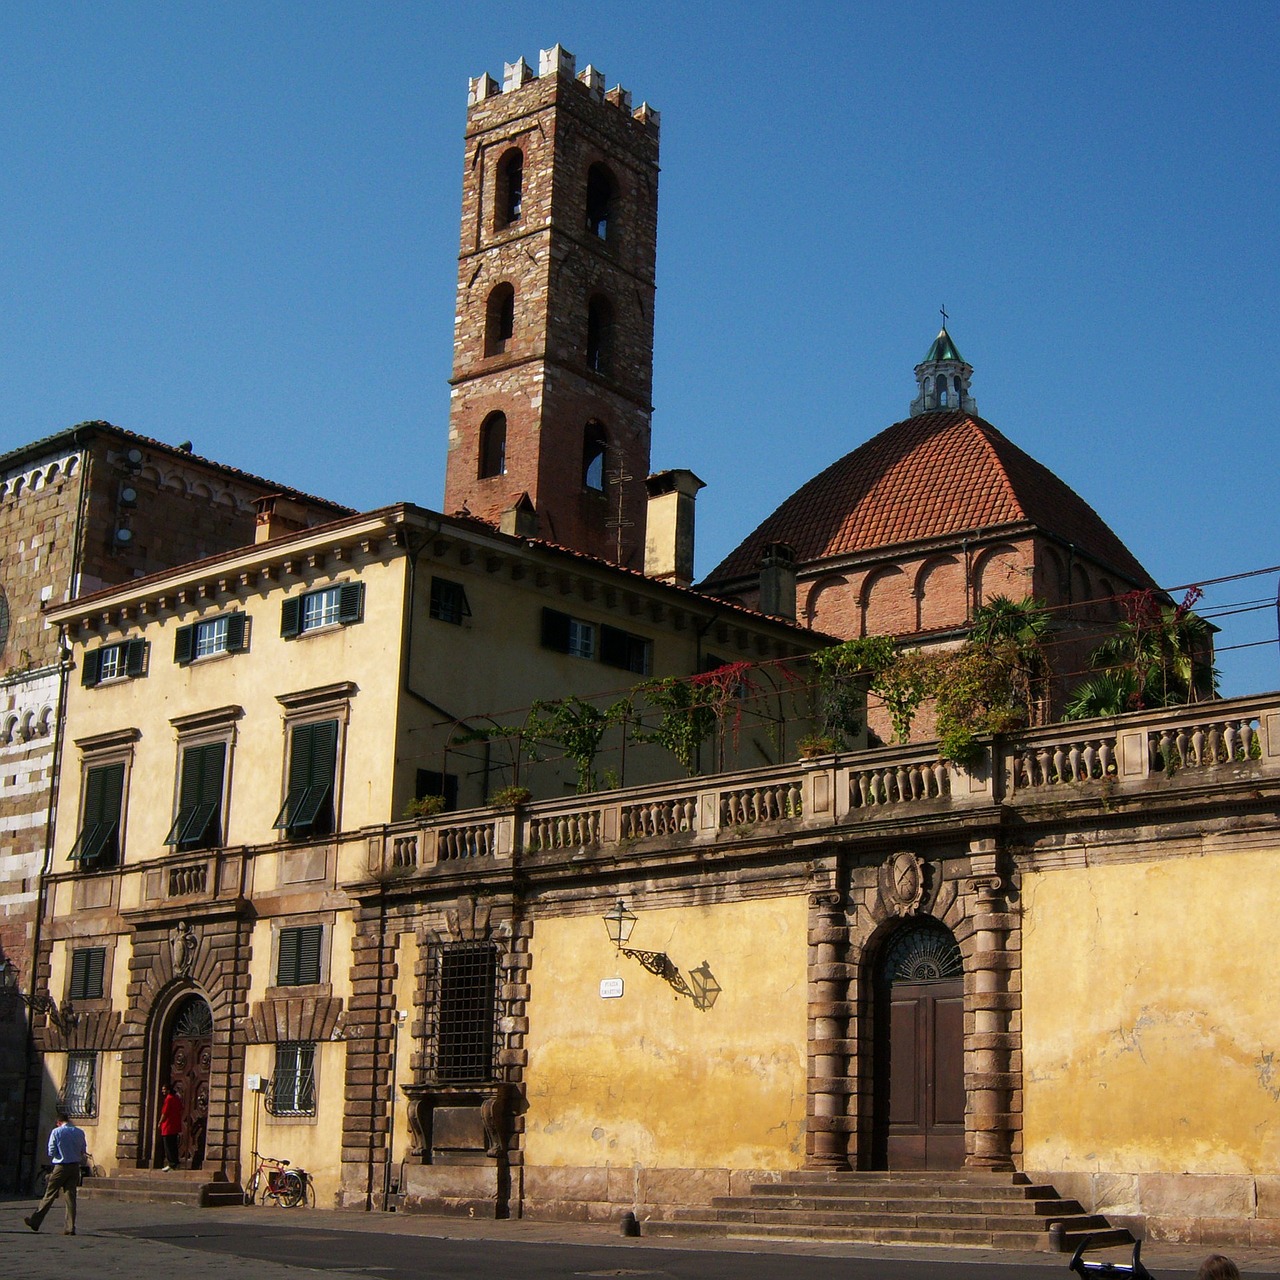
[[298, 955], [124, 661], [198, 822], [210, 636], [467, 983], [308, 808], [88, 968], [568, 635], [293, 1082], [339, 605], [449, 601], [620, 648], [80, 1088], [431, 782], [102, 802]]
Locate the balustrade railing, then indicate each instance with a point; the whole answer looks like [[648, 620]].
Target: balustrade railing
[[865, 787], [1204, 744], [184, 880], [898, 783]]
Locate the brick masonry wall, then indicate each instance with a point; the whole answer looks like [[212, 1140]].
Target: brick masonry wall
[[540, 379]]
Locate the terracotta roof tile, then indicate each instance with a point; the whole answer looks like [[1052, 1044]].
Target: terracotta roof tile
[[934, 475]]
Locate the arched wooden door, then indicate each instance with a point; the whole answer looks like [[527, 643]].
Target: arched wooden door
[[919, 1050], [190, 1053]]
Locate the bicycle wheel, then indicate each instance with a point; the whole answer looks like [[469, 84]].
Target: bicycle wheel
[[293, 1190], [251, 1190], [40, 1183]]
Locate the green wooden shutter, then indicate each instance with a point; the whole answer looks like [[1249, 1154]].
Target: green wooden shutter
[[309, 954], [351, 602], [298, 963], [313, 757], [91, 672], [555, 630], [287, 964], [184, 645], [291, 617], [135, 658], [235, 632]]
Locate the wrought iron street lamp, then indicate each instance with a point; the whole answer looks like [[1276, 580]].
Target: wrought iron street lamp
[[64, 1019], [619, 922]]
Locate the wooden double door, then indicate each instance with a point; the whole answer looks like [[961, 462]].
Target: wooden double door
[[919, 1093], [189, 1052]]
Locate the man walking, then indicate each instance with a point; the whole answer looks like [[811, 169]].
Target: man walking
[[67, 1149]]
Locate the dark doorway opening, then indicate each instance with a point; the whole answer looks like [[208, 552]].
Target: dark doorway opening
[[919, 1051], [188, 1059]]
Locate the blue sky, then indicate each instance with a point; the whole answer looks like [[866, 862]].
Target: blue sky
[[238, 224]]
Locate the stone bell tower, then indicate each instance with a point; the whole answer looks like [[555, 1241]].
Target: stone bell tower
[[553, 331]]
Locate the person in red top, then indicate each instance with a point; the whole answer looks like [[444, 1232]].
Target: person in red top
[[170, 1125]]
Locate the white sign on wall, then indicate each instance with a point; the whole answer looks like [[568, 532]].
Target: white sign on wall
[[610, 988]]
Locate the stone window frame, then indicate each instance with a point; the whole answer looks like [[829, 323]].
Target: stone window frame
[[311, 706], [325, 920], [97, 1004], [101, 751], [201, 729], [89, 1109]]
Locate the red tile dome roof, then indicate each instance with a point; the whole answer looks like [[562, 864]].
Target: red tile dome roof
[[935, 475]]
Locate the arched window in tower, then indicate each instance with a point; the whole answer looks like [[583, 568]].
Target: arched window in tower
[[510, 187], [955, 383], [499, 319], [493, 446], [600, 200], [595, 444], [942, 391], [599, 334]]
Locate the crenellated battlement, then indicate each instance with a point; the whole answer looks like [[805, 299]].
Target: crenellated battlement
[[558, 61]]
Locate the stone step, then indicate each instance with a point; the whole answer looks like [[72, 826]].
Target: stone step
[[993, 1238], [1082, 1222], [901, 1205], [195, 1187], [915, 1190]]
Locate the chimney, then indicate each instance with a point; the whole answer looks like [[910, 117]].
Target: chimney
[[278, 515], [521, 520], [778, 581], [668, 543]]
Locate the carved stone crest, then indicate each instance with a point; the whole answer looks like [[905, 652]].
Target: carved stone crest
[[901, 882], [184, 942]]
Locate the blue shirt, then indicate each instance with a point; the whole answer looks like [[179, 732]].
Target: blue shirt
[[67, 1145]]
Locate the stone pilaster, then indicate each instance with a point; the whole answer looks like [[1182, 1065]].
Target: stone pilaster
[[828, 1120], [992, 999]]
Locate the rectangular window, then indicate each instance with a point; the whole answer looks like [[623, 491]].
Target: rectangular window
[[433, 783], [114, 662], [343, 603], [467, 1006], [449, 601], [88, 965], [98, 844], [568, 635], [79, 1090], [293, 1085], [621, 649], [198, 824], [313, 757], [224, 634], [298, 963]]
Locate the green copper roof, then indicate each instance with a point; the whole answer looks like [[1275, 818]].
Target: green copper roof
[[943, 349]]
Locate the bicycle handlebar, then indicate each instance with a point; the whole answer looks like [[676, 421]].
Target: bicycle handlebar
[[1134, 1268]]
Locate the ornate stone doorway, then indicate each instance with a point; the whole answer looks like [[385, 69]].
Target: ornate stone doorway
[[188, 1055], [919, 1097]]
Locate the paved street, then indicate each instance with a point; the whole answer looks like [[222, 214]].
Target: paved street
[[271, 1244]]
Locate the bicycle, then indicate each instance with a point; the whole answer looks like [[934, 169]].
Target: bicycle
[[275, 1180], [1134, 1269], [40, 1179]]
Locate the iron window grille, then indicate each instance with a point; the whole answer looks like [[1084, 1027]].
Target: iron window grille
[[343, 603], [467, 1006], [114, 662], [293, 1085], [198, 824], [224, 634], [449, 601], [298, 956], [88, 967], [98, 844], [79, 1090], [313, 758]]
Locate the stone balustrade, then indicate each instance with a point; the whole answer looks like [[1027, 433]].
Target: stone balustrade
[[1132, 751]]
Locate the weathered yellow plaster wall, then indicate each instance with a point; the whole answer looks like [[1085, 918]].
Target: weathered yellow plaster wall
[[1150, 1017], [650, 1080]]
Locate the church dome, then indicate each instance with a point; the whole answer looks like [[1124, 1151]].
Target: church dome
[[938, 474]]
